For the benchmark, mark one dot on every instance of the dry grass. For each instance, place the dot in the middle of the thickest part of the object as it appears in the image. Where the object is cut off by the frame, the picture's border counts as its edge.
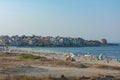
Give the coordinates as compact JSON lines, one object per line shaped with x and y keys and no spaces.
{"x":7,"y":54}
{"x":63,"y":63}
{"x":29,"y":59}
{"x":49,"y":77}
{"x":107,"y":67}
{"x":8,"y":63}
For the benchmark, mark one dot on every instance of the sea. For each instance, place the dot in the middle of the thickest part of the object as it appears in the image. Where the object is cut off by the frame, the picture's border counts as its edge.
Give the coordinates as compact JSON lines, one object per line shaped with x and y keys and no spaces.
{"x":107,"y":51}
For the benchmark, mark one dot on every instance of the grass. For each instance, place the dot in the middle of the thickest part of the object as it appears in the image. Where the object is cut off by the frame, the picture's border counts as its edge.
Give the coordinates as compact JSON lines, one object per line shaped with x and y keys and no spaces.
{"x":29,"y":57}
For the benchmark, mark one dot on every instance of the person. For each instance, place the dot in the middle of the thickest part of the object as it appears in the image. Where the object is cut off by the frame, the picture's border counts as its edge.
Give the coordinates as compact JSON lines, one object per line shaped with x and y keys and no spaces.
{"x":70,"y":58}
{"x":100,"y":57}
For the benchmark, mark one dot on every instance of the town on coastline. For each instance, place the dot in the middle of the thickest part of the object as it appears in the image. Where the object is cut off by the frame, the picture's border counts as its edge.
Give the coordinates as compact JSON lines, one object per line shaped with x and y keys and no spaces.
{"x":49,"y":41}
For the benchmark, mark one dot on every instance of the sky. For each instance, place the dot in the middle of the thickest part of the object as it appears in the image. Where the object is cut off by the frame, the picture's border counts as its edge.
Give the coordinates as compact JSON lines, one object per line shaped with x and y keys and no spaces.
{"x":88,"y":19}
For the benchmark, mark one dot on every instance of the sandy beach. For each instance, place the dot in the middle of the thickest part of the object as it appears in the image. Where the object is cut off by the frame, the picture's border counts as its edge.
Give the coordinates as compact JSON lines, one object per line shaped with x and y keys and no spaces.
{"x":55,"y":65}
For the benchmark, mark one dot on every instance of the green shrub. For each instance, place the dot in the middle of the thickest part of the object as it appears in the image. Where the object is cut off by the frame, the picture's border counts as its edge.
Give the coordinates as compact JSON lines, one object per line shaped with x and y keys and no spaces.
{"x":29,"y":57}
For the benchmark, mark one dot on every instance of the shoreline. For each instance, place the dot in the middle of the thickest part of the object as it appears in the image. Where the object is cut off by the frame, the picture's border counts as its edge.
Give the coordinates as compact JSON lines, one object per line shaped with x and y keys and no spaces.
{"x":95,"y":51}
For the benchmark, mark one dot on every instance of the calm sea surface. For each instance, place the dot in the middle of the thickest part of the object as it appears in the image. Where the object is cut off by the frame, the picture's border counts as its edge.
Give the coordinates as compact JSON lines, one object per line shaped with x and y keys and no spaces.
{"x":109,"y":51}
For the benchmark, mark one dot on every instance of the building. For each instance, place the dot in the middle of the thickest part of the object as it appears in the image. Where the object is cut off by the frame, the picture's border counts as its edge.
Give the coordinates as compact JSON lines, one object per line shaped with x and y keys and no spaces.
{"x":103,"y":41}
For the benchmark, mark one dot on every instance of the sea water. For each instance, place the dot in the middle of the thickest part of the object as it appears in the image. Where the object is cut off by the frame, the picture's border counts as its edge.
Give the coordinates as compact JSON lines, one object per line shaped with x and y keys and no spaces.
{"x":109,"y":51}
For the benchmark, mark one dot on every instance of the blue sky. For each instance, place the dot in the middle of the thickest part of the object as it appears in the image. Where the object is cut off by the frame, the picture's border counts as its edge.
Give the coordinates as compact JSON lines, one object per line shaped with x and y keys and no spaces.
{"x":89,"y":19}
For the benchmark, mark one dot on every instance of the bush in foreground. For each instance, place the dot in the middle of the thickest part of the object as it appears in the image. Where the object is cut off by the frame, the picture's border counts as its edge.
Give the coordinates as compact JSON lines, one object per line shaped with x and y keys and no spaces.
{"x":62,"y":77}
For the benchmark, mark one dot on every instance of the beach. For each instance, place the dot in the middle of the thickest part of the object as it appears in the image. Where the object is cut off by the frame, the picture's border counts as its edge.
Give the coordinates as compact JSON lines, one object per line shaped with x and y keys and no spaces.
{"x":55,"y":65}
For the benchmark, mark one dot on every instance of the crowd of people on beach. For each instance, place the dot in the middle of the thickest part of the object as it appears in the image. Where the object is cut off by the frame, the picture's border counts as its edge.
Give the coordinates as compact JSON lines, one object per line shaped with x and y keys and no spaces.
{"x":72,"y":57}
